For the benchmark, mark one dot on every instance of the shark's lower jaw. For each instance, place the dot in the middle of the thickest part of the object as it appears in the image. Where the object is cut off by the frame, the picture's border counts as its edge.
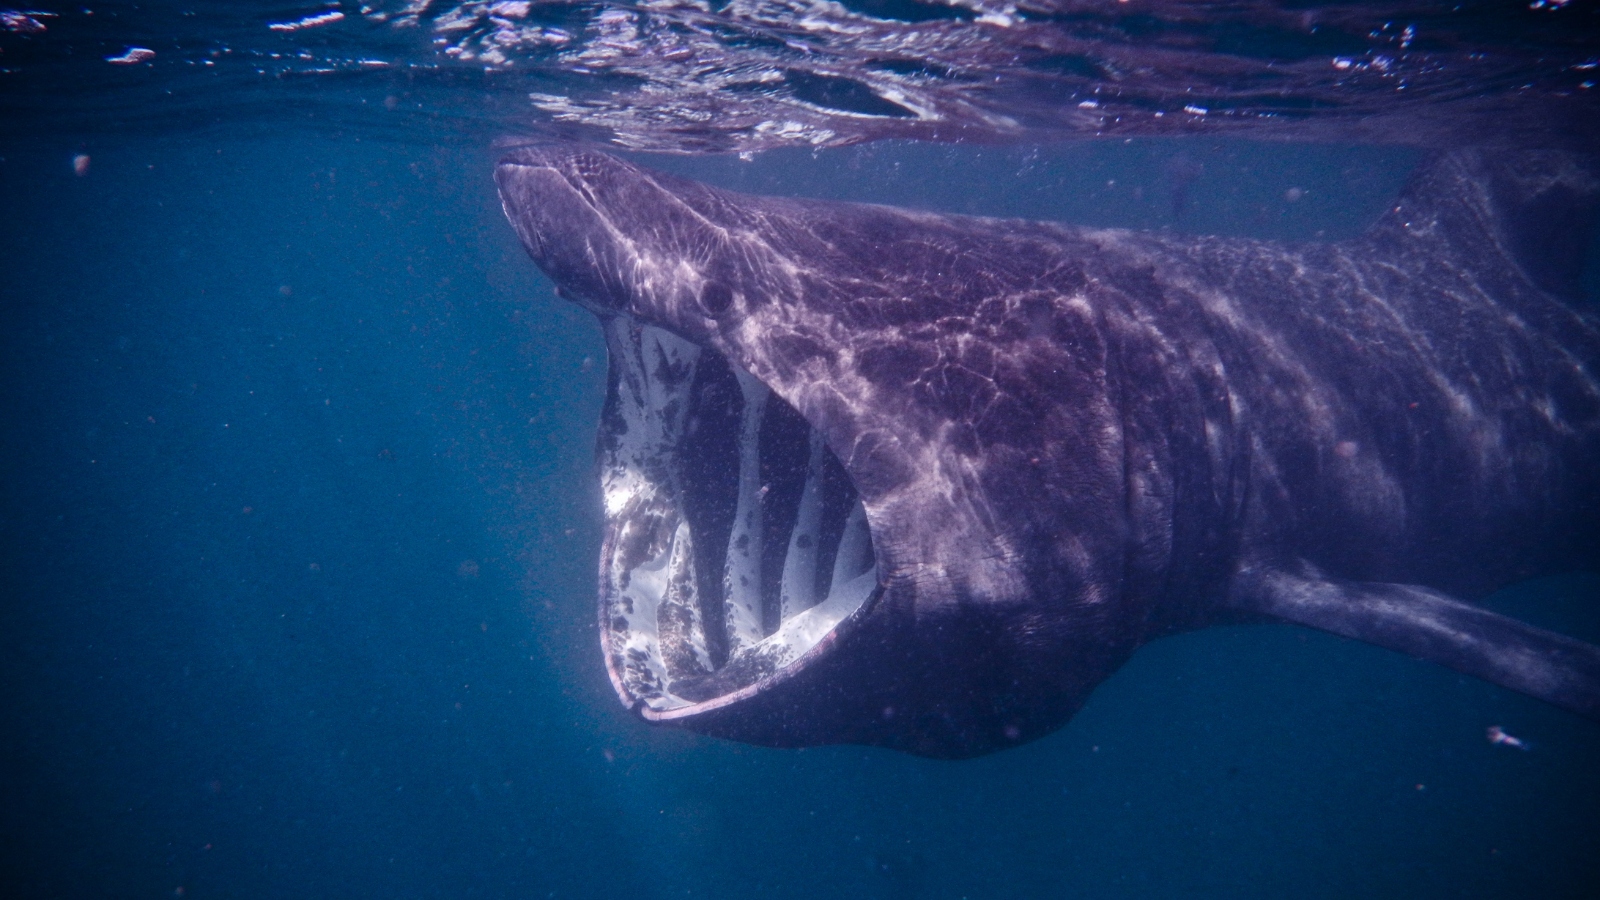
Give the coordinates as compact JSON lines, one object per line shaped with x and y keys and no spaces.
{"x":735,"y":543}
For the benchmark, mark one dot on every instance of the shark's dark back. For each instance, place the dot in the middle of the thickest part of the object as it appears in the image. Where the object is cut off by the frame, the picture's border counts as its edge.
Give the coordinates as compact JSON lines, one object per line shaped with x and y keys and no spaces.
{"x":1430,"y":410}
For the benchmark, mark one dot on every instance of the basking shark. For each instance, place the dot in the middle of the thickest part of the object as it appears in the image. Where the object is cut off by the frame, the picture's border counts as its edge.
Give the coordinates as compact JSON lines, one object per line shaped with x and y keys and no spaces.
{"x":923,"y":481}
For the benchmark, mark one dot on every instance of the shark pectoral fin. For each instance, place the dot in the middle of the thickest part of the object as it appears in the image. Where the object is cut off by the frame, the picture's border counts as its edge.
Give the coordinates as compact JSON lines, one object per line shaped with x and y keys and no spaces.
{"x":1429,"y":625}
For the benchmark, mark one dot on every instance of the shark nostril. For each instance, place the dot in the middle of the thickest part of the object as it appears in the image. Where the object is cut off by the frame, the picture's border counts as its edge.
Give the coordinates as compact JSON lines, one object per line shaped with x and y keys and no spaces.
{"x":715,"y":298}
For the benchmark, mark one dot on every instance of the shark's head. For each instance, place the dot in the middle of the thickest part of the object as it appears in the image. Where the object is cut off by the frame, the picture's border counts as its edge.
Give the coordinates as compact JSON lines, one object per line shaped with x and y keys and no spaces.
{"x":858,"y":486}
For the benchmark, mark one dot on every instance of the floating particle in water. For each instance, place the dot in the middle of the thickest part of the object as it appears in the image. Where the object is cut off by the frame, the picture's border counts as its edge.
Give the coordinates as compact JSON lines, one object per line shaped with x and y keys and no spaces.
{"x":132,"y":56}
{"x":22,"y":22}
{"x":1498,"y":736}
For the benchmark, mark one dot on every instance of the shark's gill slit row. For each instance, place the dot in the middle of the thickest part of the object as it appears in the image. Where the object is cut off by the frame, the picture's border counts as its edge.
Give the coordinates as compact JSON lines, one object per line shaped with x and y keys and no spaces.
{"x":736,"y":543}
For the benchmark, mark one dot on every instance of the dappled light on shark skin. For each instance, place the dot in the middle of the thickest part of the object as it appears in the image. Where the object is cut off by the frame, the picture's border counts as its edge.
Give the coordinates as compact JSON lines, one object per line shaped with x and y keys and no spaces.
{"x":888,"y":477}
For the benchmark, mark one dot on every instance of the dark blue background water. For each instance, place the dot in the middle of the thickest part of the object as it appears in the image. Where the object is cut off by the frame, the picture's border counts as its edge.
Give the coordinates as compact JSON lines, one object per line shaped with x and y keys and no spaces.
{"x":299,"y":533}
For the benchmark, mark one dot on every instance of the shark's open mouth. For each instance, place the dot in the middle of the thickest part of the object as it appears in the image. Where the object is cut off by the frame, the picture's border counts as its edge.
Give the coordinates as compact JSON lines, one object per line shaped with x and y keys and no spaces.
{"x":735,"y":542}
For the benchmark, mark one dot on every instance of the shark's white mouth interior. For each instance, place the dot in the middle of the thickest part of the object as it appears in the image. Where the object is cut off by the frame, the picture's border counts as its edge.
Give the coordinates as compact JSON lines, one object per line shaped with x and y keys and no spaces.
{"x":735,"y":541}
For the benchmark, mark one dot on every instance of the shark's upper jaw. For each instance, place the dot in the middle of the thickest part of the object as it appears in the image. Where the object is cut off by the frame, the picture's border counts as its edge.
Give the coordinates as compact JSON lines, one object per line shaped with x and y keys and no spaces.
{"x":735,"y":545}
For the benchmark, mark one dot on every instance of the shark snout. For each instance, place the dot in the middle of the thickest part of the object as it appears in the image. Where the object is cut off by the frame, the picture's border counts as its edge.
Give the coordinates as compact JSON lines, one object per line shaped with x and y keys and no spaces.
{"x":565,"y":228}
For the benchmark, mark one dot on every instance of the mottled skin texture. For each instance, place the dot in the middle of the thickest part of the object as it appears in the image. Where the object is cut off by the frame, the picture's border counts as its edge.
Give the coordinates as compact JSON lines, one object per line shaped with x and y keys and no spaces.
{"x":1070,"y":441}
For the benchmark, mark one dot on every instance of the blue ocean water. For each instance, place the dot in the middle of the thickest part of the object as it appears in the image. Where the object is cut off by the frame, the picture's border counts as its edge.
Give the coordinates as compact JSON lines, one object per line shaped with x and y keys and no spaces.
{"x":299,"y":529}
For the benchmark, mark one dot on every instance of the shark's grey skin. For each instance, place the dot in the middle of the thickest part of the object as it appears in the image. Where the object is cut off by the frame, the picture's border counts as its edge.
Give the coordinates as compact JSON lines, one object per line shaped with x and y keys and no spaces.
{"x":1070,"y":441}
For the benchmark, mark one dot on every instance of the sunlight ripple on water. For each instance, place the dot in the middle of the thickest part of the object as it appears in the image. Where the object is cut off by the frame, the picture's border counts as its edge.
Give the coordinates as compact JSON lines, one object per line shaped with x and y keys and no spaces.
{"x":688,"y":75}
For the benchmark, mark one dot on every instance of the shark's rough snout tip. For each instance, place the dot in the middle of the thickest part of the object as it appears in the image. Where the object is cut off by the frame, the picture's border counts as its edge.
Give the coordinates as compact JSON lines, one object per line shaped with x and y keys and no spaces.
{"x":554,"y":199}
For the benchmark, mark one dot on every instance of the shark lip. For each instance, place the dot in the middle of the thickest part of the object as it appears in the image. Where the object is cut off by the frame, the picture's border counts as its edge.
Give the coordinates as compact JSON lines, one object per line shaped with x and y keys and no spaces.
{"x":736,"y":546}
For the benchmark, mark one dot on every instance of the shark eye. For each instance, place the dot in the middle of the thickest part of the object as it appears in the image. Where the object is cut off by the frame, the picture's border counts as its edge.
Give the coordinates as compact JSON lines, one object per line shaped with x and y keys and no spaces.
{"x":715,"y":298}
